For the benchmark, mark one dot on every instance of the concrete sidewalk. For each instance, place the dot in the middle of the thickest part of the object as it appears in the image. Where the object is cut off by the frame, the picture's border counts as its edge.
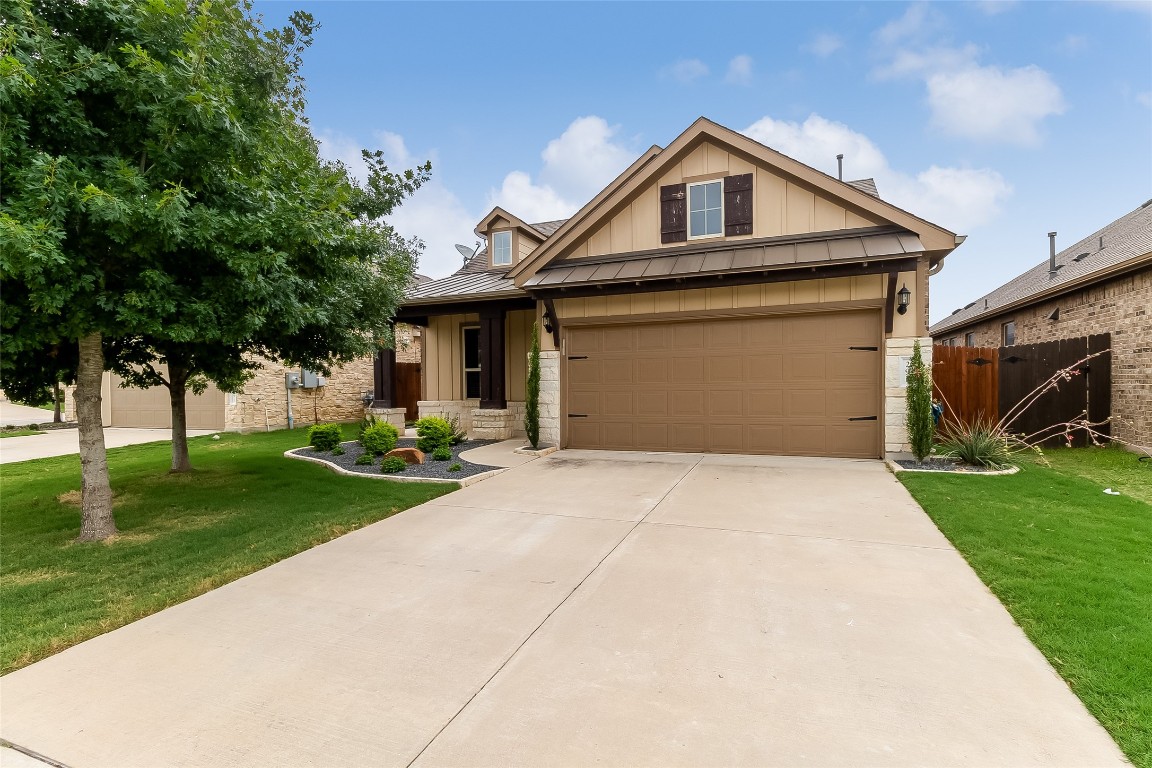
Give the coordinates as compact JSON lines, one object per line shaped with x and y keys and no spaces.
{"x":61,"y":442}
{"x":586,"y":608}
{"x":13,"y":414}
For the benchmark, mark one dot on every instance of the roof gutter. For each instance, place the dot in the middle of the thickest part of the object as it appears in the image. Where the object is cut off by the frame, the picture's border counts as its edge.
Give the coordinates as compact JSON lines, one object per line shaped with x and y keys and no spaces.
{"x":1051,"y":293}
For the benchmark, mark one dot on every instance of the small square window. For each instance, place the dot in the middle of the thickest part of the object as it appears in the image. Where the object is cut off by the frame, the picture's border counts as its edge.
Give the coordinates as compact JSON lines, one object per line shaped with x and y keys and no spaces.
{"x":705,"y":209}
{"x":970,"y":339}
{"x":501,"y":249}
{"x":1008,"y":333}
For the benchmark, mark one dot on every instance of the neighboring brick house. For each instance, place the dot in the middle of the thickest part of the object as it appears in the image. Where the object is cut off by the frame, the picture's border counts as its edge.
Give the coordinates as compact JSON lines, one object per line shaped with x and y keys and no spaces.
{"x":263,"y":403}
{"x":717,"y":296}
{"x":1102,"y":284}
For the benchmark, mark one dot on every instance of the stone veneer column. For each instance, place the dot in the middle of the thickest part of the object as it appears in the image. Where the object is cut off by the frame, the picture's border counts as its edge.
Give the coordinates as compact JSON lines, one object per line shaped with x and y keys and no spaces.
{"x":550,"y":397}
{"x":394,"y":416}
{"x":897,"y":353}
{"x":491,"y":424}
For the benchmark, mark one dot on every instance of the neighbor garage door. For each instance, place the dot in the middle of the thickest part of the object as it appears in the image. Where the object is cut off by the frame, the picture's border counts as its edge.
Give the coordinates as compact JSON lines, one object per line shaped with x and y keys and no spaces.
{"x":152,"y":407}
{"x":806,"y":385}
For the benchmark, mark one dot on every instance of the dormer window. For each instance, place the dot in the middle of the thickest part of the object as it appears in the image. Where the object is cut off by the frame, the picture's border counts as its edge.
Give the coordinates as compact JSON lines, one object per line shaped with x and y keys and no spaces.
{"x":501,"y":249}
{"x":705,"y":209}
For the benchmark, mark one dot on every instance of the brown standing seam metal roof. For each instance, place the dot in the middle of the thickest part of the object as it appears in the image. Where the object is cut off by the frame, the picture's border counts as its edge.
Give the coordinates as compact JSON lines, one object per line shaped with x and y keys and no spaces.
{"x":1127,"y":239}
{"x":729,"y":258}
{"x":475,"y":280}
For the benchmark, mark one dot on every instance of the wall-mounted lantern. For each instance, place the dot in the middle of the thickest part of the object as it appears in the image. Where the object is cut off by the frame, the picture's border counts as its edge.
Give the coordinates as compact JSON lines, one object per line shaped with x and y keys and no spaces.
{"x":902,"y":298}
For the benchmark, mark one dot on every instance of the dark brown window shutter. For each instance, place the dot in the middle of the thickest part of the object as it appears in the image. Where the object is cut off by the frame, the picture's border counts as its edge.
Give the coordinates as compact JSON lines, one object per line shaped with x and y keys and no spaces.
{"x":738,"y":205}
{"x":674,"y":213}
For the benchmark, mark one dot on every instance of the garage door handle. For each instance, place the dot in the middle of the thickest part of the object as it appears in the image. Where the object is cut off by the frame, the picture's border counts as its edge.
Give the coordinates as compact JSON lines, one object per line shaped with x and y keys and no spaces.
{"x":577,"y":415}
{"x":866,"y":349}
{"x":577,"y":357}
{"x":862,"y":418}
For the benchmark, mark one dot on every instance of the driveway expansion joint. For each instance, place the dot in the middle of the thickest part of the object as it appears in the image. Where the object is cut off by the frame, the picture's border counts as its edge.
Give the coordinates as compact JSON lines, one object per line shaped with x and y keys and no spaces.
{"x":5,"y":744}
{"x":900,"y":544}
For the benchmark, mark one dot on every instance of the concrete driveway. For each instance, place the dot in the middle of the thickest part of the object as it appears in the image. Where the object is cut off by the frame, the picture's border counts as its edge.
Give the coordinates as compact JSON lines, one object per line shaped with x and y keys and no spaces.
{"x":584,"y":609}
{"x":61,"y":442}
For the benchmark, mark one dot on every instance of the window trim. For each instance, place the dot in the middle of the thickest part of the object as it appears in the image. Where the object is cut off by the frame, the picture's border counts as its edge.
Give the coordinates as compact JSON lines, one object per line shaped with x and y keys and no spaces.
{"x":511,"y":248}
{"x":688,"y":205}
{"x":464,"y":369}
{"x":970,"y":339}
{"x":1004,"y":333}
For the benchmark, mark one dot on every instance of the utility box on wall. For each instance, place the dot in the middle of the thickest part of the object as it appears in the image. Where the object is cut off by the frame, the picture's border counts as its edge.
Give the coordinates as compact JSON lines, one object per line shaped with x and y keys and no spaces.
{"x":310,"y":379}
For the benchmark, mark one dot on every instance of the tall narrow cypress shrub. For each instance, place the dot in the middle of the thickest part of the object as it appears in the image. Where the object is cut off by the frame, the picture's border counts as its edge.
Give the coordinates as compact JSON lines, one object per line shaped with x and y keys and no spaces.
{"x":920,"y":425}
{"x":532,"y":392}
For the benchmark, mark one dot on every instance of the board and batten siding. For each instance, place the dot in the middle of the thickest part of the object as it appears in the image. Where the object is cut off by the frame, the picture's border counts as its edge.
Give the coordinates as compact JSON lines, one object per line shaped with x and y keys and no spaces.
{"x":443,"y":374}
{"x":780,"y":206}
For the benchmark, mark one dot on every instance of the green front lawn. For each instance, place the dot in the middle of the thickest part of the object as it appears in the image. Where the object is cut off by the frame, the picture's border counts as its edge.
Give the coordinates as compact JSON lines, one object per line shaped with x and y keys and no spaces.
{"x":19,"y":432}
{"x":245,"y":508}
{"x":1072,"y":565}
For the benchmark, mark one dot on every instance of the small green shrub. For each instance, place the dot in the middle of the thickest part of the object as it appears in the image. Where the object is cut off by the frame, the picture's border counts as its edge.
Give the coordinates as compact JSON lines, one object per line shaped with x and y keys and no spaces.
{"x":379,"y":438}
{"x":325,"y":437}
{"x":442,"y":453}
{"x":392,"y":465}
{"x":980,"y":443}
{"x":365,"y":459}
{"x":458,"y":435}
{"x":433,"y":432}
{"x":338,"y":450}
{"x":369,"y":420}
{"x":456,"y":467}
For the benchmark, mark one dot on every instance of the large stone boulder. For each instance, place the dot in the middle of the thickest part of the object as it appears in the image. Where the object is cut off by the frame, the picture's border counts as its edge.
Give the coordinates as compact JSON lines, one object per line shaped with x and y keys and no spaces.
{"x":410,"y":455}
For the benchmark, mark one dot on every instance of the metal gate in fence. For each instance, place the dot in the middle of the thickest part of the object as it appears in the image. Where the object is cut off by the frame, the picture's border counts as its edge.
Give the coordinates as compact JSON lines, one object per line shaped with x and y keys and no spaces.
{"x":1001,"y":383}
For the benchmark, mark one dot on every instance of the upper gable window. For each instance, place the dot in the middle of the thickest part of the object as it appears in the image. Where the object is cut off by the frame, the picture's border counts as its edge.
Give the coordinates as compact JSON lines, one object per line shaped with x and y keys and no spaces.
{"x":705,"y":209}
{"x":501,"y":249}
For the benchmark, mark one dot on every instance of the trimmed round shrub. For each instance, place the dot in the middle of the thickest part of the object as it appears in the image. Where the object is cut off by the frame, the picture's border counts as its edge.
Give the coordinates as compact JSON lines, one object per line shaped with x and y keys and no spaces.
{"x":366,"y":459}
{"x":456,"y":467}
{"x":338,"y":450}
{"x":392,"y":465}
{"x":325,"y":437}
{"x":442,"y":453}
{"x":433,"y":432}
{"x":379,"y":438}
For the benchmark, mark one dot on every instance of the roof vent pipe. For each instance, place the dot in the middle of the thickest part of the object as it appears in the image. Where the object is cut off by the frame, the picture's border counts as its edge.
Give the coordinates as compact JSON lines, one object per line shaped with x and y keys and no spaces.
{"x":1101,"y":243}
{"x":840,"y":167}
{"x":1051,"y":253}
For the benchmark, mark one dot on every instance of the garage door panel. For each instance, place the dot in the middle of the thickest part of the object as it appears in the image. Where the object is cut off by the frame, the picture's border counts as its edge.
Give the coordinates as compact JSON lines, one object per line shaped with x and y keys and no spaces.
{"x":688,"y":404}
{"x":725,"y":403}
{"x":775,"y":385}
{"x":615,"y":372}
{"x":652,"y":403}
{"x":152,"y":407}
{"x":688,"y":337}
{"x":618,"y":404}
{"x":687,"y":370}
{"x":806,"y":367}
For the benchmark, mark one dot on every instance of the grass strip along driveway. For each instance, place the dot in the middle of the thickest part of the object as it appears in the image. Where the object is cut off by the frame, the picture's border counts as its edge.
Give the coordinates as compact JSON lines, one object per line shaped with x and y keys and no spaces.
{"x":1072,"y":564}
{"x":244,"y":508}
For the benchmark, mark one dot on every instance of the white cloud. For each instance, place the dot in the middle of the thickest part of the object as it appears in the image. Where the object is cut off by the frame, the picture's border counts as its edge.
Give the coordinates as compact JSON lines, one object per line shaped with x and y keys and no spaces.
{"x":967,"y":98}
{"x":739,"y":70}
{"x":1073,"y":44}
{"x":824,"y":44}
{"x":990,"y":104}
{"x":577,"y":165}
{"x":686,"y":71}
{"x":995,"y":7}
{"x":433,"y":214}
{"x":960,"y":199}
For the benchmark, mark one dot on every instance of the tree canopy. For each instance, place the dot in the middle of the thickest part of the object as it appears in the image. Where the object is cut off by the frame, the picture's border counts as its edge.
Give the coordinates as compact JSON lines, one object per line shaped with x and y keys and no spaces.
{"x":162,"y":195}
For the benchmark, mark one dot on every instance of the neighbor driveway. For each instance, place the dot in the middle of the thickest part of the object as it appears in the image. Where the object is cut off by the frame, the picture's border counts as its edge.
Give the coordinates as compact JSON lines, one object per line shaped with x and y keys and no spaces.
{"x":61,"y":442}
{"x":584,"y":609}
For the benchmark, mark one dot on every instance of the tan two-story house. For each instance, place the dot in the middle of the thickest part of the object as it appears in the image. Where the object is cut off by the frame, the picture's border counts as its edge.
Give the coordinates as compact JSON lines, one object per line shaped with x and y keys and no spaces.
{"x":717,"y":296}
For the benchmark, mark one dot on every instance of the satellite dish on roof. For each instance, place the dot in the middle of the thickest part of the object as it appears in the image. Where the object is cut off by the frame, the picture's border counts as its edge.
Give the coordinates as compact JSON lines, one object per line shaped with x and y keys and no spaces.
{"x":467,"y":252}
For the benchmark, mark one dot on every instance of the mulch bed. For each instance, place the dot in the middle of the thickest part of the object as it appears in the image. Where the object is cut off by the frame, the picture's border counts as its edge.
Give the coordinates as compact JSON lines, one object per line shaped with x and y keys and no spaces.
{"x":944,"y":465}
{"x":435,"y":470}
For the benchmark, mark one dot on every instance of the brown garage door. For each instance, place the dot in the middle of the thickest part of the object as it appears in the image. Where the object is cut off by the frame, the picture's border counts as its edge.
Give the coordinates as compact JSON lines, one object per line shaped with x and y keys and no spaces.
{"x":152,"y":407}
{"x":806,"y":385}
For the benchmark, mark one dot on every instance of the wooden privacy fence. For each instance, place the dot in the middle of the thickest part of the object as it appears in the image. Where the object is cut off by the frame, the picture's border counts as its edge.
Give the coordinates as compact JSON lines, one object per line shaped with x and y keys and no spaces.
{"x":408,"y":388}
{"x":988,"y":382}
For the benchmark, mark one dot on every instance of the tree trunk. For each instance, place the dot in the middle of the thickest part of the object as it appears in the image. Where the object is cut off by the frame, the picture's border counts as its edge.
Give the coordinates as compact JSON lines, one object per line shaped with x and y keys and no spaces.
{"x":96,"y":520}
{"x":56,"y":398}
{"x":177,"y":389}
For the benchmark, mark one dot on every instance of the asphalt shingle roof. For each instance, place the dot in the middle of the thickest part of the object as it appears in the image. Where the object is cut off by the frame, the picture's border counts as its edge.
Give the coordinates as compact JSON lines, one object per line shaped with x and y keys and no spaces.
{"x":1129,"y":238}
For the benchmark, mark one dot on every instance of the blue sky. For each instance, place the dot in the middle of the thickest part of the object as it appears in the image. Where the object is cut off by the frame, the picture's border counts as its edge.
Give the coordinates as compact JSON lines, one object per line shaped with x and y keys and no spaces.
{"x":999,"y":120}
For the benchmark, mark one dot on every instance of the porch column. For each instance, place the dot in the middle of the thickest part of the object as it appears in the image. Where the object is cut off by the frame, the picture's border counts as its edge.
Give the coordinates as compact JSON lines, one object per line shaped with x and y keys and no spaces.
{"x":493,"y":390}
{"x":384,"y":379}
